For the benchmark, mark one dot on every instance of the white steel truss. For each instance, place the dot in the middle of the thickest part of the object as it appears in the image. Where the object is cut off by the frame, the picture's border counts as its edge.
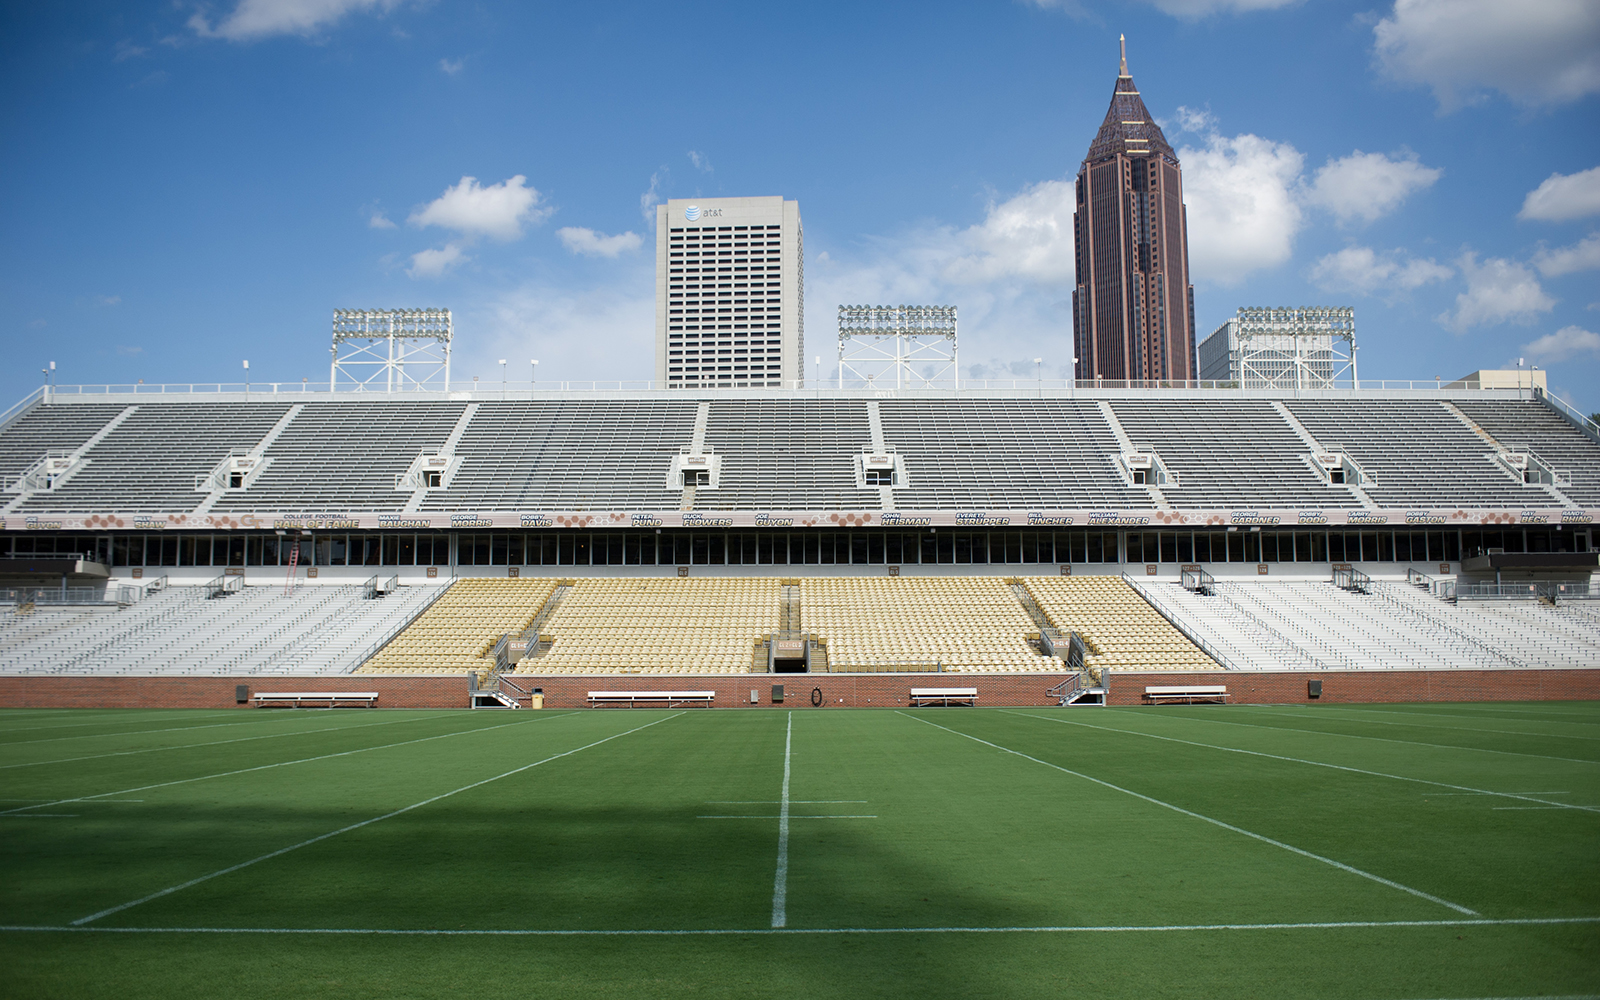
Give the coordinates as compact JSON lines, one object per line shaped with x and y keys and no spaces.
{"x":897,"y":347}
{"x":1296,"y":348}
{"x":392,"y":350}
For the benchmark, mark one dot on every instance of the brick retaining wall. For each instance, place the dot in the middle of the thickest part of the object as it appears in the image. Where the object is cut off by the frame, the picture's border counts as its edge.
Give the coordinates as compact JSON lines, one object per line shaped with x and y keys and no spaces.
{"x":837,"y":690}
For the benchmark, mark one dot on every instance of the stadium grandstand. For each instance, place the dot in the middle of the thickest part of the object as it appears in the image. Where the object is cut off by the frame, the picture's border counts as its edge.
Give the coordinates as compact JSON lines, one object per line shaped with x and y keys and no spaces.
{"x":1072,"y":530}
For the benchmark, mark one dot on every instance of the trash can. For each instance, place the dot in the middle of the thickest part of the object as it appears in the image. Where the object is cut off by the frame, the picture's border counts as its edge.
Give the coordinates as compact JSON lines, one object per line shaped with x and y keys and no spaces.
{"x":536,"y":701}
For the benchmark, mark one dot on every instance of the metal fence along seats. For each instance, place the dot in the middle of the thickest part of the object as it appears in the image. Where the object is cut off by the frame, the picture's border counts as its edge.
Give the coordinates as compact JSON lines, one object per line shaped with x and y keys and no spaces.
{"x":1120,"y":628}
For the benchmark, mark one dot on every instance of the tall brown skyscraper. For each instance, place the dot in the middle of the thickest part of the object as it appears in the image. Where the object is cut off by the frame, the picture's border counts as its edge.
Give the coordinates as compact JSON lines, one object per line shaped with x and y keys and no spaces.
{"x":1133,"y":308}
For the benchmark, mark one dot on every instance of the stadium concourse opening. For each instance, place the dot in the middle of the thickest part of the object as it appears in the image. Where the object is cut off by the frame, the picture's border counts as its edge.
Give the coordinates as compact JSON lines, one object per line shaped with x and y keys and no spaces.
{"x":687,"y":540}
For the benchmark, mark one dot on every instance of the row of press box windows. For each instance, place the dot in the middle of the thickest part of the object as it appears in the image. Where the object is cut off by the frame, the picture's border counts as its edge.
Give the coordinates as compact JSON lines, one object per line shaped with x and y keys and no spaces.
{"x":672,"y":547}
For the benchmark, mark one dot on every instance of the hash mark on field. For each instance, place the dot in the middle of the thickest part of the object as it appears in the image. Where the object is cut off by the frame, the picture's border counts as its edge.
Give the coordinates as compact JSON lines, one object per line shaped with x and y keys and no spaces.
{"x":1313,"y":763}
{"x":821,"y":931}
{"x":356,"y":826}
{"x":1215,"y":822}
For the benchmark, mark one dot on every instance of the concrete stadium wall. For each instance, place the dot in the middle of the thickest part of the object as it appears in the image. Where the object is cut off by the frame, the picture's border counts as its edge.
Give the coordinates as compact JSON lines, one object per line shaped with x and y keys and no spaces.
{"x":837,"y":690}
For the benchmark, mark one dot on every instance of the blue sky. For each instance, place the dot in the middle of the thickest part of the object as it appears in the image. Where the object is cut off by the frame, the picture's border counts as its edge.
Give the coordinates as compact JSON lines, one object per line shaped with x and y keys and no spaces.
{"x":191,"y":184}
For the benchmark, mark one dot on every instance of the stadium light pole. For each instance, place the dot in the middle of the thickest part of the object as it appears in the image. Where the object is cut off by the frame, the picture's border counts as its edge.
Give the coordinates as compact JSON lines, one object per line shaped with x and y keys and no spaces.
{"x":502,"y":378}
{"x":247,"y":380}
{"x":1038,"y":375}
{"x":818,"y":361}
{"x":533,"y":377}
{"x":1073,"y":383}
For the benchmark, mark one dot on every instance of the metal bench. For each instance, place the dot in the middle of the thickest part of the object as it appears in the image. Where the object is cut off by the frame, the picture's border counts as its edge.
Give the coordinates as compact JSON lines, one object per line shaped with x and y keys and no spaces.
{"x":651,"y":699}
{"x":1187,"y":693}
{"x":943,"y":696}
{"x":327,"y":699}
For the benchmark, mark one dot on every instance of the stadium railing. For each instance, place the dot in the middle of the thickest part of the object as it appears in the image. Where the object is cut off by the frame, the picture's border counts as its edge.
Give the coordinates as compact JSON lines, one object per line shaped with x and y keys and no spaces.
{"x":1524,"y":591}
{"x":1178,"y":623}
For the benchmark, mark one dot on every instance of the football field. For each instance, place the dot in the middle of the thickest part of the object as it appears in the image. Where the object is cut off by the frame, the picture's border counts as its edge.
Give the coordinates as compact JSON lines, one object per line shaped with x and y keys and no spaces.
{"x":1397,"y":851}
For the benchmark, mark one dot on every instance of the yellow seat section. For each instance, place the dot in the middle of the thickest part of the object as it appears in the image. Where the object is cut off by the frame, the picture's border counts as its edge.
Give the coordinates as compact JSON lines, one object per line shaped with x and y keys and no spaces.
{"x":461,"y":627}
{"x":964,"y":623}
{"x":1122,"y":630}
{"x":659,"y":625}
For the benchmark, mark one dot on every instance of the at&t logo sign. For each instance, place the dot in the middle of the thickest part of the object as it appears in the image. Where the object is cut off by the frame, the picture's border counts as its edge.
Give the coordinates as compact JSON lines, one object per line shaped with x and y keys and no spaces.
{"x":694,"y":213}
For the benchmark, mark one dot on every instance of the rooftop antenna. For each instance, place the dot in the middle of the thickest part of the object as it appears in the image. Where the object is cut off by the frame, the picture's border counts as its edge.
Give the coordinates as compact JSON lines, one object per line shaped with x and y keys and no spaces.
{"x":1122,"y":41}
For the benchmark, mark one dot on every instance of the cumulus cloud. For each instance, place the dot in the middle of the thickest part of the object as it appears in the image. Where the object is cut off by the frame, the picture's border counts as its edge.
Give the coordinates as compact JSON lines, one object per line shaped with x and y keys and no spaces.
{"x":1366,"y":272}
{"x":1367,"y":186}
{"x":450,"y":67}
{"x":1243,"y":213}
{"x":1535,"y":53}
{"x":379,"y":221}
{"x":598,"y":332}
{"x":1567,"y":342}
{"x":1071,"y":8}
{"x":434,"y":263}
{"x":254,"y":19}
{"x":592,"y":244}
{"x":499,"y":210}
{"x":1027,"y":236}
{"x":1498,"y":291}
{"x":1564,"y":196}
{"x":1581,"y":256}
{"x":701,"y":161}
{"x":652,"y":197}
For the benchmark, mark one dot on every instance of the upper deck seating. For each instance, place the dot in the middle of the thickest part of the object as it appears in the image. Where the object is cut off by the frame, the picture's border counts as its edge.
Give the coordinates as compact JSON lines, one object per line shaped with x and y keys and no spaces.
{"x":1536,"y":427}
{"x":787,"y":454}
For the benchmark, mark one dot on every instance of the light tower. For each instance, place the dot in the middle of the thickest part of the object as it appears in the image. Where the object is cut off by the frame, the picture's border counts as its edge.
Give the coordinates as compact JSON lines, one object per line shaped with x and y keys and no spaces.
{"x":911,"y":347}
{"x":392,"y":350}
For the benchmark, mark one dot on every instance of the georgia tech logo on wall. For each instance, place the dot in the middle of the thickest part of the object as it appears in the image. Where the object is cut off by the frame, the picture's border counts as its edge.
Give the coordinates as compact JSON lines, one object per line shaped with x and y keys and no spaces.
{"x":692,"y":213}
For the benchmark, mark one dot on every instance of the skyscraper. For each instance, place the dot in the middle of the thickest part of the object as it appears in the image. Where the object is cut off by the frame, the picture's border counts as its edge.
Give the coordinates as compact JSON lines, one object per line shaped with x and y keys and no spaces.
{"x":1133,"y":307}
{"x":730,"y":288}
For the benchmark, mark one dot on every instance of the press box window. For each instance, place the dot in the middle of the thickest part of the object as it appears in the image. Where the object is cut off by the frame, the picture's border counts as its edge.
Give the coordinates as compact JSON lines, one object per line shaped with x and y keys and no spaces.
{"x":880,"y":477}
{"x":696,"y":477}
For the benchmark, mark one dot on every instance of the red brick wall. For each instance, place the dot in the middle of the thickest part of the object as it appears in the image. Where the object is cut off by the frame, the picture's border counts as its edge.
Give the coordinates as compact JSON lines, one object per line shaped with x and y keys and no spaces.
{"x":218,"y":692}
{"x":838,"y":690}
{"x":1290,"y":686}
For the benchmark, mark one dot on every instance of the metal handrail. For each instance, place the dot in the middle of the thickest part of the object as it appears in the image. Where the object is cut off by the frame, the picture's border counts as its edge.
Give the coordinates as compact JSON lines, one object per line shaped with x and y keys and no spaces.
{"x":388,"y":637}
{"x":1178,"y":624}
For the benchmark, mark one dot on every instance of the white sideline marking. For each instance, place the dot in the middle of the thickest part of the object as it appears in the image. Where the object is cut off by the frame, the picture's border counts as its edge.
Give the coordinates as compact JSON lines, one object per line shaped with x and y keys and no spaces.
{"x":1521,"y":808}
{"x":780,"y":881}
{"x":353,"y":826}
{"x":743,"y":802}
{"x":137,"y":732}
{"x":1314,"y":763}
{"x":1441,"y":795}
{"x":1457,"y":729}
{"x":1385,"y":739}
{"x":213,"y":743}
{"x":1215,"y":822}
{"x":268,"y":767}
{"x":758,"y":931}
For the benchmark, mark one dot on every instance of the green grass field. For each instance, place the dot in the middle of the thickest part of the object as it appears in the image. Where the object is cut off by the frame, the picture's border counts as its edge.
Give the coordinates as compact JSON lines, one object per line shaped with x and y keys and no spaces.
{"x":1401,"y":851}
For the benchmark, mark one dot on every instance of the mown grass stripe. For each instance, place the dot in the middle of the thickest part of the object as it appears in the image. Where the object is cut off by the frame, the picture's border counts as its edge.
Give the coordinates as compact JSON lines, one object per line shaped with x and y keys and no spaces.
{"x":1214,"y":822}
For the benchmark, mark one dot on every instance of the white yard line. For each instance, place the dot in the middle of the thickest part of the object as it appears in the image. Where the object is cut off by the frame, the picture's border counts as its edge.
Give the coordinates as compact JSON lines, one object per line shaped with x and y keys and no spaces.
{"x":266,"y":767}
{"x":1257,"y":710}
{"x":783,"y":817}
{"x":1214,"y":822}
{"x":1313,"y":763}
{"x":353,"y":826}
{"x":744,"y":802}
{"x":1381,"y":739}
{"x":213,"y":743}
{"x":780,"y":881}
{"x":1320,"y":925}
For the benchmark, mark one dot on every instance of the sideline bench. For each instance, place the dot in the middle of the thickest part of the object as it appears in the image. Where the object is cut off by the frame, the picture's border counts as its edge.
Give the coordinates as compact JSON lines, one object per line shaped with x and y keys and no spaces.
{"x":328,"y":699}
{"x":944,"y":696}
{"x":651,"y":699}
{"x":1187,"y":693}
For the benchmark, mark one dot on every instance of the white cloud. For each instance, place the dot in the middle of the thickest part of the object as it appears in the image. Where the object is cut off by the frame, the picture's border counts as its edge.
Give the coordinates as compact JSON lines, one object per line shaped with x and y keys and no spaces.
{"x":253,"y":19}
{"x":1543,"y":52}
{"x":1368,"y":185}
{"x":593,"y":244}
{"x":498,"y":210}
{"x":108,"y":300}
{"x":1581,"y":256}
{"x":1364,"y":271}
{"x":1194,"y":9}
{"x":450,"y":67}
{"x":1564,"y":196}
{"x":433,"y":263}
{"x":701,"y":161}
{"x":598,"y":332}
{"x":1197,"y":120}
{"x":379,"y":221}
{"x":1071,"y":8}
{"x":1498,"y":290}
{"x":652,"y":197}
{"x":1027,"y":236}
{"x":1565,"y":343}
{"x":1243,"y":215}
